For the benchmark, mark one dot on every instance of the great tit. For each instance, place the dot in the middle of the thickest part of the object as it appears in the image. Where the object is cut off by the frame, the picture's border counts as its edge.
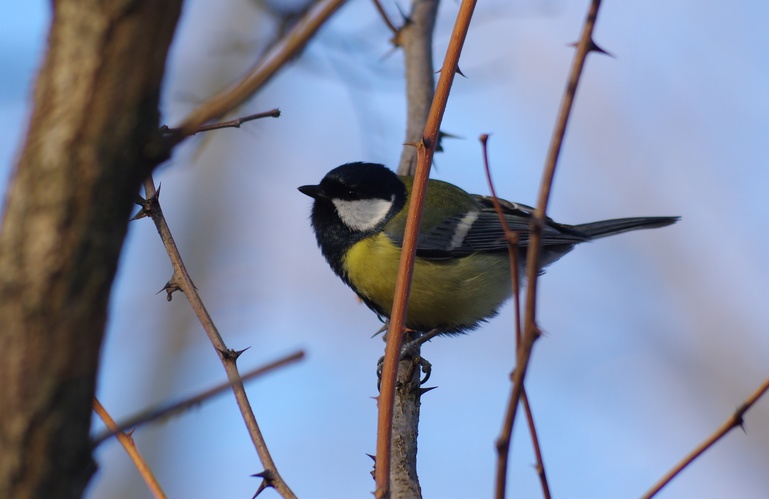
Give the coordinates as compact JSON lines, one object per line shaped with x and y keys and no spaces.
{"x":462,"y":271}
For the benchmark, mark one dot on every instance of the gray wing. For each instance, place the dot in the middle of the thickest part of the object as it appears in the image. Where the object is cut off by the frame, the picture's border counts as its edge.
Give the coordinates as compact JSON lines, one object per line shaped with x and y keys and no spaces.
{"x":482,"y":231}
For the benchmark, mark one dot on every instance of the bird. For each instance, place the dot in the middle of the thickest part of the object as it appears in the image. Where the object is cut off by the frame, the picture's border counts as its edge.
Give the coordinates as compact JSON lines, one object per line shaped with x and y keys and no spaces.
{"x":462,"y":269}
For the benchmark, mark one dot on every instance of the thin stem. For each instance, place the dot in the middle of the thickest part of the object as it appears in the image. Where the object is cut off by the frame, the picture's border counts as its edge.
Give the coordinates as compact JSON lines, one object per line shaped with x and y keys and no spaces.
{"x":166,"y":410}
{"x":425,"y":150}
{"x":535,"y":443}
{"x":182,"y":280}
{"x":531,"y":330}
{"x":512,"y":250}
{"x":385,"y":17}
{"x":130,"y":447}
{"x":415,"y":38}
{"x":273,"y":113}
{"x":734,"y":421}
{"x":279,"y":54}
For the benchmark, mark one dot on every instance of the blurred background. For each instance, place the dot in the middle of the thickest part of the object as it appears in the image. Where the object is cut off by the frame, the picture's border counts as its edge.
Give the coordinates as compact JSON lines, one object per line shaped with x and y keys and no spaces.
{"x":651,"y":338}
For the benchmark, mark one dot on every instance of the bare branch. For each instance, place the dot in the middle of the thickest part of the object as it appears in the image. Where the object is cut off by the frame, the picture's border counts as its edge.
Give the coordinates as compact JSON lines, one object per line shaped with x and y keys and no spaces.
{"x":130,"y":447}
{"x":425,"y":149}
{"x":734,"y":421}
{"x":166,"y":410}
{"x":226,"y":355}
{"x":416,"y":39}
{"x":531,"y":330}
{"x":512,"y":250}
{"x":283,"y":51}
{"x":274,"y":113}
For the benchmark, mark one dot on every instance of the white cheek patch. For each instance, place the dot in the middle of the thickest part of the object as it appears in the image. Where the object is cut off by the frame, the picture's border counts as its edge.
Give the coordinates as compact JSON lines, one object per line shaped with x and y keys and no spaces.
{"x":463,"y":227}
{"x":363,"y":214}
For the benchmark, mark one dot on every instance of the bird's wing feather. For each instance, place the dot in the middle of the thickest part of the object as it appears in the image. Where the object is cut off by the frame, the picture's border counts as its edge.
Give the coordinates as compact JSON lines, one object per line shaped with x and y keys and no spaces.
{"x":481,"y":231}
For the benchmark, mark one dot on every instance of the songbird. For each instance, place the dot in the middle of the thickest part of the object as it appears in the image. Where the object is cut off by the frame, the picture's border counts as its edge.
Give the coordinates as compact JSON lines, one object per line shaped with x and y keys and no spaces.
{"x":462,"y":270}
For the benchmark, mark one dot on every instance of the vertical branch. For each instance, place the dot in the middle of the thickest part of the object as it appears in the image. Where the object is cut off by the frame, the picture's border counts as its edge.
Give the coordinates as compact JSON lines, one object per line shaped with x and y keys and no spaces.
{"x":512,"y":251}
{"x":425,"y":150}
{"x":531,"y":331}
{"x":416,"y":39}
{"x":66,"y":214}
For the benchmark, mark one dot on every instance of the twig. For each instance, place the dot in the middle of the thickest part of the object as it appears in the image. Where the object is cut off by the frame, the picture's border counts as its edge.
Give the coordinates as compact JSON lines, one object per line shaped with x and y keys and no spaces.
{"x":415,"y":37}
{"x":734,"y":421}
{"x":182,"y":281}
{"x":274,"y":113}
{"x":512,"y":250}
{"x":425,"y":149}
{"x":280,"y":53}
{"x":162,"y":411}
{"x":540,"y":467}
{"x":130,"y":447}
{"x":531,"y":331}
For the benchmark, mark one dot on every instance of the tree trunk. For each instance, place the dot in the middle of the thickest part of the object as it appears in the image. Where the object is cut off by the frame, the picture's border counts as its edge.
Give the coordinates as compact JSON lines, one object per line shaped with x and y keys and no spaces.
{"x":92,"y":139}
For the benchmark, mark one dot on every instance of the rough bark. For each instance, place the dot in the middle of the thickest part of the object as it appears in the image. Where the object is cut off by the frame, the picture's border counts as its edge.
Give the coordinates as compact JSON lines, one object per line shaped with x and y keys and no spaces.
{"x":92,"y":139}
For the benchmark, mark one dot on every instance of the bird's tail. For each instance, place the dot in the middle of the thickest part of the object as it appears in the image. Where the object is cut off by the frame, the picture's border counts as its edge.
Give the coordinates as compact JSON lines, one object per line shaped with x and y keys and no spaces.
{"x":595,"y":230}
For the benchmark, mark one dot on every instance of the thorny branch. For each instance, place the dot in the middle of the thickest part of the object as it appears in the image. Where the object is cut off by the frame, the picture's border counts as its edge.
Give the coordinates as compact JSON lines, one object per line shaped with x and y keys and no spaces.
{"x":181,"y":280}
{"x":531,"y":330}
{"x":512,"y":250}
{"x":734,"y":421}
{"x":130,"y":447}
{"x":425,"y":150}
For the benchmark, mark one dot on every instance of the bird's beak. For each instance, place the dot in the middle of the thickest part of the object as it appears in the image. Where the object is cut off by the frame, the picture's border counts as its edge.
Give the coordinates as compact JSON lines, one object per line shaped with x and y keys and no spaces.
{"x":314,"y":191}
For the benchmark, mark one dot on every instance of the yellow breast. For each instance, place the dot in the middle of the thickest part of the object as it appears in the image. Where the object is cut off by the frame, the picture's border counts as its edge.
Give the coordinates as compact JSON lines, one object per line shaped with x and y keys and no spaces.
{"x":450,"y":294}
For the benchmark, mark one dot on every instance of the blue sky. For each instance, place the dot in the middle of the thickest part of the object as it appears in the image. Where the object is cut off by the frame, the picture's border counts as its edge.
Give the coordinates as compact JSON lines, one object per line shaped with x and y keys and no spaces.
{"x":651,"y":338}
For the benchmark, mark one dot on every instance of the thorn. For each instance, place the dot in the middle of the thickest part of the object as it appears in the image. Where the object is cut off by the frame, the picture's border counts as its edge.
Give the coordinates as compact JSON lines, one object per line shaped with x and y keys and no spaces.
{"x":456,"y":71}
{"x":267,"y":479}
{"x":381,"y":330}
{"x":373,"y":467}
{"x":537,"y":332}
{"x":406,"y":19}
{"x":238,"y":353}
{"x":262,"y":486}
{"x":130,"y":433}
{"x":390,"y":52}
{"x":412,"y":144}
{"x":170,"y":287}
{"x":139,"y":214}
{"x":422,"y":391}
{"x":230,"y":354}
{"x":441,"y":136}
{"x":150,"y":206}
{"x":594,"y":47}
